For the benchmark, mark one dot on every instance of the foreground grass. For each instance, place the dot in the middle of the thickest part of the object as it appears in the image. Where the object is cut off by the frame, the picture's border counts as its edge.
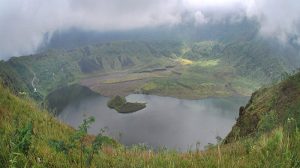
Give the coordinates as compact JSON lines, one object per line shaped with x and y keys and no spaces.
{"x":278,"y":148}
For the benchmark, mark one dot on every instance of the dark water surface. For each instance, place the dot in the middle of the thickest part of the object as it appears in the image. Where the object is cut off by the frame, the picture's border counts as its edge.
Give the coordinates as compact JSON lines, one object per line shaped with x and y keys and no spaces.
{"x":165,"y":122}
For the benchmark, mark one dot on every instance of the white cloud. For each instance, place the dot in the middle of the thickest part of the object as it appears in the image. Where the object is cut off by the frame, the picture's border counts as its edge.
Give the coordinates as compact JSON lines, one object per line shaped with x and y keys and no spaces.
{"x":200,"y":18}
{"x":25,"y":22}
{"x":278,"y":19}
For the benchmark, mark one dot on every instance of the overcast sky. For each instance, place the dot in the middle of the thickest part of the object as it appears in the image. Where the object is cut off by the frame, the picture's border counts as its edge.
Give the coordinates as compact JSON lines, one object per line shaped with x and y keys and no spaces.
{"x":23,"y":23}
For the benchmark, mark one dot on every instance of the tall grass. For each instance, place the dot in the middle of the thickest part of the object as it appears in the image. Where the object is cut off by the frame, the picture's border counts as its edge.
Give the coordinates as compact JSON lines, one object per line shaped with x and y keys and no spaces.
{"x":278,"y":148}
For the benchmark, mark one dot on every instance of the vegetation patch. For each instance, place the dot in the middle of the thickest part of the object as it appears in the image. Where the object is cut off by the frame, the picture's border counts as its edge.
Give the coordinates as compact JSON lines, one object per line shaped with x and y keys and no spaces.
{"x":183,"y":61}
{"x":204,"y":78}
{"x":269,"y":108}
{"x":208,"y":63}
{"x":120,"y":104}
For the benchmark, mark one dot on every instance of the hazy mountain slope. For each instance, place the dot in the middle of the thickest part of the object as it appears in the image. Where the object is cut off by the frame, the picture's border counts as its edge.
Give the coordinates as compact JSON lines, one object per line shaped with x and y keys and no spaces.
{"x":227,"y":68}
{"x":257,"y":60}
{"x":238,"y":67}
{"x":56,"y":68}
{"x":245,"y":59}
{"x":16,"y":75}
{"x":225,"y":31}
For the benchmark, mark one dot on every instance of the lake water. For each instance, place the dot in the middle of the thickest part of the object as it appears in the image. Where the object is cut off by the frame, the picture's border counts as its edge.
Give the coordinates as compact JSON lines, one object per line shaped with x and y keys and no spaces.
{"x":165,"y":122}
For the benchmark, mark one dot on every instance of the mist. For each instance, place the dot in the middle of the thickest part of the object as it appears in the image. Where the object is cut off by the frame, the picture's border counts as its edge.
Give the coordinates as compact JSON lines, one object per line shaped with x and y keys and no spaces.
{"x":26,"y":24}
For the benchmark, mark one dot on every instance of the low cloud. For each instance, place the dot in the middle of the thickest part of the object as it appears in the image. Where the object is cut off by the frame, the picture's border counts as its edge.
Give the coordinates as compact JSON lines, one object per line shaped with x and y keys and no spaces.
{"x":280,"y":19}
{"x":24,"y":23}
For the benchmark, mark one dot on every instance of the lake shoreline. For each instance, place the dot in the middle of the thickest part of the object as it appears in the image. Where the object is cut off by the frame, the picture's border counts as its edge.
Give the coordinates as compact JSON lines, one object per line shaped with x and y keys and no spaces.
{"x":166,"y":121}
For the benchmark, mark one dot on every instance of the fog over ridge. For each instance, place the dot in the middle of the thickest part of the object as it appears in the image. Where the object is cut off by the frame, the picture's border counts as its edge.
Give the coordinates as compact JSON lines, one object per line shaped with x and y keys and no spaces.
{"x":24,"y":23}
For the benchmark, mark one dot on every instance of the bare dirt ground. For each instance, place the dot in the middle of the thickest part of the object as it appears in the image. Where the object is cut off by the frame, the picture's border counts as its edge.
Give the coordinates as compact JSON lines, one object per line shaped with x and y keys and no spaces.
{"x":121,"y":83}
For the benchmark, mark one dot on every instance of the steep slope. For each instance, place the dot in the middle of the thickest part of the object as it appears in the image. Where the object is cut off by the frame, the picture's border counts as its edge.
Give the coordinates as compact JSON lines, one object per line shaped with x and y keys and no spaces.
{"x":269,"y":108}
{"x":27,"y":134}
{"x":15,"y":114}
{"x":49,"y":70}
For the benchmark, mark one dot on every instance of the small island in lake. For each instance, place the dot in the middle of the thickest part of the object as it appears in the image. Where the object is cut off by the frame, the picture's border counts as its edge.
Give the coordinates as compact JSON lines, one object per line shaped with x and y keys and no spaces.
{"x":120,"y":104}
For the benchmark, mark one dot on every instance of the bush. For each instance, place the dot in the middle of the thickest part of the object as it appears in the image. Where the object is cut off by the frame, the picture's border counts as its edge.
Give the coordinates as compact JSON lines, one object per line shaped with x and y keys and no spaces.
{"x":77,"y":142}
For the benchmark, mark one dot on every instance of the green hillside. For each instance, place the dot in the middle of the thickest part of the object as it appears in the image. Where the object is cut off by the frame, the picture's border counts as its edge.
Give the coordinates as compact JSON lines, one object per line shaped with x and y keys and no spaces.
{"x":201,"y":69}
{"x":268,"y":108}
{"x":30,"y":137}
{"x":56,"y":68}
{"x":220,"y":69}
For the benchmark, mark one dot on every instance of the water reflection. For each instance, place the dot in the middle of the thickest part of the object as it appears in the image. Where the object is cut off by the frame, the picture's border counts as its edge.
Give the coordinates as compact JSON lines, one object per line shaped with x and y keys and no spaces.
{"x":170,"y":122}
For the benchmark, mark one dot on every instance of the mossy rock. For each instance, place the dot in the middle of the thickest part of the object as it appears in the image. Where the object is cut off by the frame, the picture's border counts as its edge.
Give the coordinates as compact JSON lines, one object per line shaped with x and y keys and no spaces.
{"x":120,"y":104}
{"x":116,"y":102}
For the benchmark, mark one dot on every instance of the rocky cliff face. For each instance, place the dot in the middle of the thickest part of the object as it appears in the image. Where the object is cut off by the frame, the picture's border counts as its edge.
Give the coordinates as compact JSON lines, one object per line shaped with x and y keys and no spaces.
{"x":269,"y":108}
